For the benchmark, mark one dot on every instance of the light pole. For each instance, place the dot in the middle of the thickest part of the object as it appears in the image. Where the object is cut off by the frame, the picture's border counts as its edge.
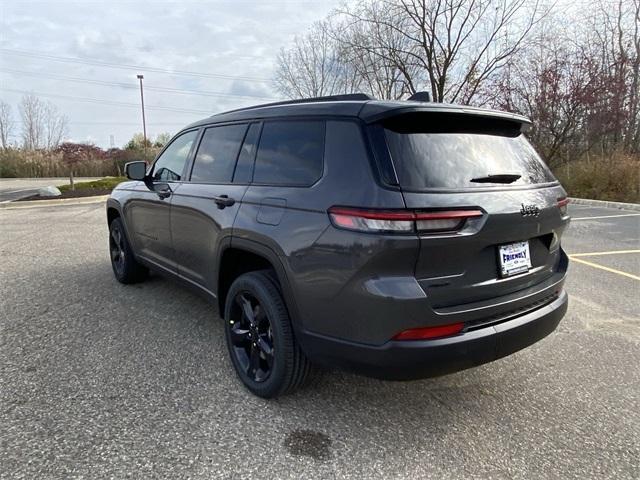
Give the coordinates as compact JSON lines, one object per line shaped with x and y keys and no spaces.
{"x":144,"y":123}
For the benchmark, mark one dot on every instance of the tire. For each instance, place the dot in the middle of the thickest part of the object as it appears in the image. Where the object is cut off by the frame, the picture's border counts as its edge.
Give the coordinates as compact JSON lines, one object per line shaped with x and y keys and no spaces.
{"x":254,"y":308}
{"x":125,"y":267}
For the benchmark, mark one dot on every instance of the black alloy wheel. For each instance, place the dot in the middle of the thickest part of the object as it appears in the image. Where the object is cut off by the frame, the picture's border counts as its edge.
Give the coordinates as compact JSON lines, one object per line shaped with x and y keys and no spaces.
{"x":260,"y":336}
{"x":125,"y":266}
{"x":251,"y":336}
{"x":116,"y":248}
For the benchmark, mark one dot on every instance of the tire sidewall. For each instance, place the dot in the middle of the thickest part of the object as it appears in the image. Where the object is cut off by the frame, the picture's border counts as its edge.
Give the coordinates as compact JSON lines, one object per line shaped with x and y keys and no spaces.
{"x":262,"y":288}
{"x":130,"y":273}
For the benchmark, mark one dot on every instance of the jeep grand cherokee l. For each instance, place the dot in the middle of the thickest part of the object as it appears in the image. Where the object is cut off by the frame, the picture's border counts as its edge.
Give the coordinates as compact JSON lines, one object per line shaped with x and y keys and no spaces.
{"x":399,"y":240}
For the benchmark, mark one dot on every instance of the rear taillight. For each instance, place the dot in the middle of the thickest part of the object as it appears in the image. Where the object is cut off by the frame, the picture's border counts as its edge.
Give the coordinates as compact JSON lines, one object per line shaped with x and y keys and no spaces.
{"x":428,"y":333}
{"x":562,"y":205}
{"x":400,"y":221}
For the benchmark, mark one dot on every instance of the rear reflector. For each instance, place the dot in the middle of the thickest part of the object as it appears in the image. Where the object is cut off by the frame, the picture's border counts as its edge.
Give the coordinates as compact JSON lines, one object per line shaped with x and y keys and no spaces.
{"x":426,"y":333}
{"x":562,"y":205}
{"x":400,"y":220}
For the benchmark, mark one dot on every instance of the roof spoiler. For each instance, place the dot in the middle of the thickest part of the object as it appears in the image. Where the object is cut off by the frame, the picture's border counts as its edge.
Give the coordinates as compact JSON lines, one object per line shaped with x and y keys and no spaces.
{"x":420,"y":97}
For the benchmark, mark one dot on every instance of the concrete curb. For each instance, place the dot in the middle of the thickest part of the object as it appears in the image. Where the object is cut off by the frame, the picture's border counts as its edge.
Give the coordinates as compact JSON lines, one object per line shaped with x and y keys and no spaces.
{"x":53,"y":203}
{"x":605,"y":203}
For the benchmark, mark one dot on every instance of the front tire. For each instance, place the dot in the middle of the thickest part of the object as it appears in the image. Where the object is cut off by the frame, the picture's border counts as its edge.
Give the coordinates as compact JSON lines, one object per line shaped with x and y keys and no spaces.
{"x":125,"y":267}
{"x":262,"y":346}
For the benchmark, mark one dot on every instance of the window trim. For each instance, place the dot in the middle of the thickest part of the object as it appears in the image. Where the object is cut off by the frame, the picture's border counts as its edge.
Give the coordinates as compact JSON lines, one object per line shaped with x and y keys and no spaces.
{"x":320,"y":119}
{"x":187,"y":162}
{"x":259,"y":123}
{"x":204,"y":129}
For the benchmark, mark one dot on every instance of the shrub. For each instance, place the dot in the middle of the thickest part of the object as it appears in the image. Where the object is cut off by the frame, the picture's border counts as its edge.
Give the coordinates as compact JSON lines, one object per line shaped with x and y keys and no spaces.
{"x":615,"y":177}
{"x":15,"y":162}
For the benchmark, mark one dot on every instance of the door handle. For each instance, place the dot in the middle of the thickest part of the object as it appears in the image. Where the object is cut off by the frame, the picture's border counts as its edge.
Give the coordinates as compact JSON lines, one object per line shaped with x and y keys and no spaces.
{"x":224,"y":201}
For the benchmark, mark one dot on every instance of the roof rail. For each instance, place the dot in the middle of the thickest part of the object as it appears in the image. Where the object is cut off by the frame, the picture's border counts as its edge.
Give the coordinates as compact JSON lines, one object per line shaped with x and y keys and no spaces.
{"x":329,"y":98}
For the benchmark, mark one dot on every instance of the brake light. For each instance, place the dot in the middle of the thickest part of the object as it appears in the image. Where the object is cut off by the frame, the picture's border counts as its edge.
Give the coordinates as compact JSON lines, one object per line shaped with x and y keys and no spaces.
{"x":428,"y":333}
{"x":562,"y":205}
{"x":403,"y":221}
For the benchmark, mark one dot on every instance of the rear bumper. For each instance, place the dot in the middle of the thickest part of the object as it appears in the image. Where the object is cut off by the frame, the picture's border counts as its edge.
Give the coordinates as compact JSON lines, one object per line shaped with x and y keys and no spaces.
{"x":406,"y":360}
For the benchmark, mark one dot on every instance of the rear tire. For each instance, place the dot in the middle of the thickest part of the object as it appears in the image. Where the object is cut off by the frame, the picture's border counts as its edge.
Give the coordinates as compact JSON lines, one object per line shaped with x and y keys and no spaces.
{"x":262,"y":346}
{"x":125,"y":267}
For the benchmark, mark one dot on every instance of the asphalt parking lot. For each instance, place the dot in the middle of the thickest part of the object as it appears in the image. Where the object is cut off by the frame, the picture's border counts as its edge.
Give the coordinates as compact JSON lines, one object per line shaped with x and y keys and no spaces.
{"x":103,"y":380}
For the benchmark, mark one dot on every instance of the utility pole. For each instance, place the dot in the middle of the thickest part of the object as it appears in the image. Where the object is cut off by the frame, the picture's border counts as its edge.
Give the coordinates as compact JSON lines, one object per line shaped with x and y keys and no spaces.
{"x":144,"y":123}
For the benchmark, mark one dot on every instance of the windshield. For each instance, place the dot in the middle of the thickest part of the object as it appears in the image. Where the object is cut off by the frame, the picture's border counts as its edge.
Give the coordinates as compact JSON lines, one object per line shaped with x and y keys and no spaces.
{"x":463,"y":157}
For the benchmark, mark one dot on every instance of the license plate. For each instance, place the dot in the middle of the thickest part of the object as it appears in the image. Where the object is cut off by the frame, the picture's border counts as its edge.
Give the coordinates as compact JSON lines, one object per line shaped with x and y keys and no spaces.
{"x":514,"y":258}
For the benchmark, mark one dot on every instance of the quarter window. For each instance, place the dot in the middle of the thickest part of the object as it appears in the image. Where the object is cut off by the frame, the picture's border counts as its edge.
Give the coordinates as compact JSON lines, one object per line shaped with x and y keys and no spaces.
{"x":169,"y":166}
{"x":217,"y":154}
{"x":290,"y":153}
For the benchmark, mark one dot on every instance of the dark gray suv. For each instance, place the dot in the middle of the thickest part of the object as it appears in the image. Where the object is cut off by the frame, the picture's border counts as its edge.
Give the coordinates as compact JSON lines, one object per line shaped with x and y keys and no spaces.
{"x":399,"y":240}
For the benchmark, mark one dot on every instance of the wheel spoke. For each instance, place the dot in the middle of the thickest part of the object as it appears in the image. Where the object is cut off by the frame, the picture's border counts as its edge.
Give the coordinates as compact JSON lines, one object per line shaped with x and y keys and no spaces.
{"x":247,"y":310}
{"x":254,"y":362}
{"x":259,"y":314}
{"x":115,"y":233}
{"x":115,"y":254}
{"x":239,"y":336}
{"x":269,"y":360}
{"x":264,"y":347}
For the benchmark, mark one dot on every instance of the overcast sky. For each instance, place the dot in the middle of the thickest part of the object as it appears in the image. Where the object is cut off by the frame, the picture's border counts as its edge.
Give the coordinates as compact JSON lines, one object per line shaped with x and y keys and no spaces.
{"x":57,"y":50}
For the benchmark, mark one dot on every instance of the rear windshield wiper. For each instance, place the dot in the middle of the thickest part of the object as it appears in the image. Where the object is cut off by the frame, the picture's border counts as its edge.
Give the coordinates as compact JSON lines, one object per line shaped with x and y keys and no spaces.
{"x":498,"y":178}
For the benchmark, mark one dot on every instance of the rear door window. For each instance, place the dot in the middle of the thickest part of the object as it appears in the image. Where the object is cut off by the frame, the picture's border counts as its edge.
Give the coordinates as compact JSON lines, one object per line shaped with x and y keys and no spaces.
{"x":217,"y":153}
{"x":430,"y":153}
{"x":290,"y":153}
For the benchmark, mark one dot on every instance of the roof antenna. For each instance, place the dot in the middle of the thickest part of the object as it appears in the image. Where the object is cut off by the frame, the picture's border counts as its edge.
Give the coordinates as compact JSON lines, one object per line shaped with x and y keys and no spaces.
{"x":420,"y":97}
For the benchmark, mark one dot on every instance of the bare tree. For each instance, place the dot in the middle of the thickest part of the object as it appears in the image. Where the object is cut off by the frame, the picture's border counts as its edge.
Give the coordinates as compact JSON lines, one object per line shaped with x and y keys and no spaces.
{"x":616,"y":39}
{"x":578,"y":83}
{"x":451,"y":47}
{"x":55,"y":127}
{"x":376,"y":50}
{"x":32,"y":115}
{"x":43,"y":126}
{"x":312,"y":67}
{"x":6,"y":124}
{"x":633,"y":133}
{"x":555,"y":87}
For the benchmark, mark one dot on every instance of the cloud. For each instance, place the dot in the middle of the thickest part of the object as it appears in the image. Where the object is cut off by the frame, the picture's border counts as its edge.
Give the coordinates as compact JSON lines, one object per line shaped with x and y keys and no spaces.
{"x":251,"y":89}
{"x":238,"y":39}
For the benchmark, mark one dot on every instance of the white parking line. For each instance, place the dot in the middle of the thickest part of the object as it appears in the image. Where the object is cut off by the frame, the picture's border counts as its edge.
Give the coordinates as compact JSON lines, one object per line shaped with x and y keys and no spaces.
{"x":605,"y":216}
{"x":602,"y":267}
{"x":611,"y":252}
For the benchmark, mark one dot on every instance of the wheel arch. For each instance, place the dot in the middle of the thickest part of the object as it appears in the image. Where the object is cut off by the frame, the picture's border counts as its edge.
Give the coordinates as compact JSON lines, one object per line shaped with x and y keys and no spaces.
{"x":113,"y":211}
{"x":242,"y":256}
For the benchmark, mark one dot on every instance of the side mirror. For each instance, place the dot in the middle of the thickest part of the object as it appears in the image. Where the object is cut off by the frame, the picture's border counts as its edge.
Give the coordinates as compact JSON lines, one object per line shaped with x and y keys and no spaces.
{"x":135,"y":170}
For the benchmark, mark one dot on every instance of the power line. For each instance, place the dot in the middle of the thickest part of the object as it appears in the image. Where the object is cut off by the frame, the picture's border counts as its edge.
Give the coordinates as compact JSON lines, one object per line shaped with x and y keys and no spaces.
{"x":87,"y":61}
{"x":123,"y":124}
{"x":106,"y":102}
{"x":131,"y":86}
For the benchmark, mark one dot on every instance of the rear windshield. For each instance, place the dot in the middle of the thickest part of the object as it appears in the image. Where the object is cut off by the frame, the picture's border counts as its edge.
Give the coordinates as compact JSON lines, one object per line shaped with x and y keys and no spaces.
{"x":448,"y":151}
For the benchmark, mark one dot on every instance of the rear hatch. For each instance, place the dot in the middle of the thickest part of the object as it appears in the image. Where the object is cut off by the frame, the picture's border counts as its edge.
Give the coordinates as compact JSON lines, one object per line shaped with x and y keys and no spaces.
{"x":449,"y":162}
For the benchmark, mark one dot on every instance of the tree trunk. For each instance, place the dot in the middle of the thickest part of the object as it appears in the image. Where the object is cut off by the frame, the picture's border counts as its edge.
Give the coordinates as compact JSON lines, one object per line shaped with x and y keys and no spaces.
{"x":73,"y":187}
